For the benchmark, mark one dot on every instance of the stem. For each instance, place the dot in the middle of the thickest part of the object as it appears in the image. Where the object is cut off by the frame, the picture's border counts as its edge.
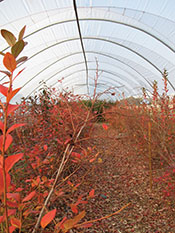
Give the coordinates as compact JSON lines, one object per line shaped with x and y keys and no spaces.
{"x":150,"y":158}
{"x":53,"y":186}
{"x":64,"y":160}
{"x":99,"y":219}
{"x":3,"y":157}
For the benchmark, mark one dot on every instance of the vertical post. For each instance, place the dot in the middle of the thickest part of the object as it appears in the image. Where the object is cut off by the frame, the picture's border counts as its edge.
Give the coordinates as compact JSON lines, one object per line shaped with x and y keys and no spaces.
{"x":150,"y":156}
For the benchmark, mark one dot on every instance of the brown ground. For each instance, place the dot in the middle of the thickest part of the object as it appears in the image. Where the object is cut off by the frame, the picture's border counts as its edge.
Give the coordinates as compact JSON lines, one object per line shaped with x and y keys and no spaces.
{"x":121,"y":178}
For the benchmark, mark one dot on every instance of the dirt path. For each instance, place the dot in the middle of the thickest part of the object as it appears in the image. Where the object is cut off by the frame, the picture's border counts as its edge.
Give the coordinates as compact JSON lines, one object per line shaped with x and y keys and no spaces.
{"x":122,"y":177}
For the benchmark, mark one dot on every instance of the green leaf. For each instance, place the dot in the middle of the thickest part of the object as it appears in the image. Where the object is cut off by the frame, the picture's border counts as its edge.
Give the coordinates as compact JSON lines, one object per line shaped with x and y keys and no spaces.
{"x":21,"y":34}
{"x":17,"y":48}
{"x":9,"y":37}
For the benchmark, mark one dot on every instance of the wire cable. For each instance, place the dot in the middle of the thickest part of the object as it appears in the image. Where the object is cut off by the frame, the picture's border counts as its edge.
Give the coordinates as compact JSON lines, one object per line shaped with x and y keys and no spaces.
{"x":81,"y":41}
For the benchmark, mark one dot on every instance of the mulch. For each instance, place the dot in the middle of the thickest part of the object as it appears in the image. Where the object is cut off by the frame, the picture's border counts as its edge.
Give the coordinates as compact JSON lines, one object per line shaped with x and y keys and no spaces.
{"x":121,"y":176}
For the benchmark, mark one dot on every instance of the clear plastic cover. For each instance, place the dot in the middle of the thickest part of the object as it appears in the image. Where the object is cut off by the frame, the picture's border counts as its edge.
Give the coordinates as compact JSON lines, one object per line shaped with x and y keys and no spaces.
{"x":131,"y":41}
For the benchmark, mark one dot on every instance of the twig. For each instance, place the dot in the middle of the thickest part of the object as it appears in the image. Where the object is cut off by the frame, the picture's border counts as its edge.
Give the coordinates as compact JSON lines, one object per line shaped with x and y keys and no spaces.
{"x":53,"y":186}
{"x":105,"y":217}
{"x":60,"y":169}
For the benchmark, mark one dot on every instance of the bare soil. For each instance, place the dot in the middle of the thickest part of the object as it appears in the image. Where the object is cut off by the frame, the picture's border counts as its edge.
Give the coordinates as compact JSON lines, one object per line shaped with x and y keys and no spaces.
{"x":121,"y":176}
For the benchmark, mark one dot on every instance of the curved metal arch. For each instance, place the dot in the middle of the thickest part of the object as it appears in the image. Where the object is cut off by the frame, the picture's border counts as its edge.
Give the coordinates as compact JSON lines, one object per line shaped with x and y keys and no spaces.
{"x":127,"y":79}
{"x":109,"y":85}
{"x":129,"y":25}
{"x":106,"y":94}
{"x":108,"y":78}
{"x":103,"y":54}
{"x":62,"y":71}
{"x":94,"y":38}
{"x":135,"y":79}
{"x":100,"y":19}
{"x":120,"y":94}
{"x":103,"y":91}
{"x":115,"y":58}
{"x":88,"y":61}
{"x":83,"y":70}
{"x":105,"y":71}
{"x":57,"y":72}
{"x":124,"y":46}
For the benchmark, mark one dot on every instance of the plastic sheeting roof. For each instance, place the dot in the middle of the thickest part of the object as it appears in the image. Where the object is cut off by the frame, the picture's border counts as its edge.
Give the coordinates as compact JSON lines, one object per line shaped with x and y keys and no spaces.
{"x":132,"y":41}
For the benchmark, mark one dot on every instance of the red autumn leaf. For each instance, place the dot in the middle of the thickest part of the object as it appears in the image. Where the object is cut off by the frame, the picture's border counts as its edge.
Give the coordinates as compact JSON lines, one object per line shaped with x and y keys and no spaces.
{"x":10,"y":212}
{"x":45,"y":147}
{"x":3,"y":90}
{"x":26,"y":213}
{"x":59,"y":141}
{"x":74,"y":161}
{"x":1,"y":126}
{"x":76,"y":155}
{"x":60,"y":224}
{"x":18,"y":74}
{"x":105,"y":127}
{"x":12,"y":94}
{"x":47,"y":218}
{"x":70,"y":183}
{"x":68,"y":224}
{"x":67,"y":141}
{"x":11,"y":229}
{"x":74,"y":208}
{"x":9,"y":62}
{"x":14,"y":196}
{"x":8,"y":180}
{"x":12,"y":204}
{"x":11,"y":160}
{"x":92,"y":160}
{"x":91,"y":193}
{"x":11,"y":108}
{"x":86,"y":225}
{"x":29,"y":196}
{"x":59,"y":193}
{"x":15,"y":222}
{"x":76,"y":186}
{"x":19,"y":189}
{"x":8,"y":141}
{"x":1,"y":219}
{"x":1,"y":161}
{"x":5,"y":72}
{"x":14,"y":127}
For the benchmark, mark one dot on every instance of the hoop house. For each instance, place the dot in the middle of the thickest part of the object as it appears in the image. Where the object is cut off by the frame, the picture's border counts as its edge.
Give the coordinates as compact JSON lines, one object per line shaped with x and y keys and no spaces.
{"x":131,"y":41}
